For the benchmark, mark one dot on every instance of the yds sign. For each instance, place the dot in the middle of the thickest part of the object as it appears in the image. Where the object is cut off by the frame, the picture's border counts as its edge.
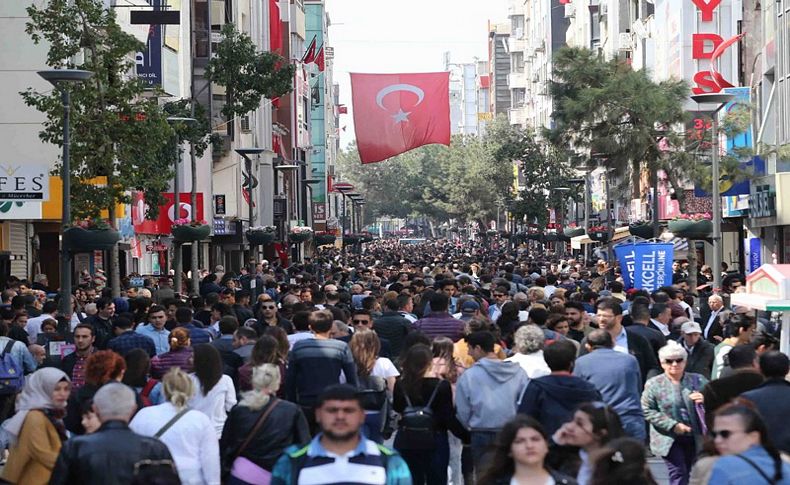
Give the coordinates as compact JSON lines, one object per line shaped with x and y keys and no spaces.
{"x":709,"y":45}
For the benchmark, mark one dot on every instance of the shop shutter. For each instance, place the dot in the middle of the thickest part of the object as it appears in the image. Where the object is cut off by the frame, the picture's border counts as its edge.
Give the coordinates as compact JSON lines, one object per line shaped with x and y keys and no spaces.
{"x":18,"y":242}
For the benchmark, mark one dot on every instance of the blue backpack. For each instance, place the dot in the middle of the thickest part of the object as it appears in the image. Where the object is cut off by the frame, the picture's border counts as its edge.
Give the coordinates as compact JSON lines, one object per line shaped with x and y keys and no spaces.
{"x":12,"y":377}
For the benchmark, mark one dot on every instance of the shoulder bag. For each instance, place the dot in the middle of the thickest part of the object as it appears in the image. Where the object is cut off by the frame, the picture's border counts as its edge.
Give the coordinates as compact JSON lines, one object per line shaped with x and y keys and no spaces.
{"x":243,"y":468}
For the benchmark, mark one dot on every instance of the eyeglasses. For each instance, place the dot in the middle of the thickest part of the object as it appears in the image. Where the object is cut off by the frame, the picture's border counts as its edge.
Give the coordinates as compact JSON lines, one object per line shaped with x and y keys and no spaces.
{"x":357,"y":322}
{"x":725,"y":433}
{"x":673,"y":361}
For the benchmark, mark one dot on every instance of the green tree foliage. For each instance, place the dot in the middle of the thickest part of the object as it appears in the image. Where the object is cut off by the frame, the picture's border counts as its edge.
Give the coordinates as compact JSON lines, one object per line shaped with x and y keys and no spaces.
{"x":116,"y":132}
{"x":246,"y":74}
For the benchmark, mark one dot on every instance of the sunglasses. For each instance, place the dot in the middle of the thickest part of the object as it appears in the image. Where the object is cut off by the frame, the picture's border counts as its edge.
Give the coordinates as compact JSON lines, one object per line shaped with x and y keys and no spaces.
{"x":498,"y":296}
{"x":355,"y":322}
{"x":268,"y":307}
{"x":725,"y":433}
{"x":673,"y":361}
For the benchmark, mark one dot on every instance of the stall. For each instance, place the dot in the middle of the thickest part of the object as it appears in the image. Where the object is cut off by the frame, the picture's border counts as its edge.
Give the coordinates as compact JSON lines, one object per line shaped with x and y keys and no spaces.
{"x":768,"y":289}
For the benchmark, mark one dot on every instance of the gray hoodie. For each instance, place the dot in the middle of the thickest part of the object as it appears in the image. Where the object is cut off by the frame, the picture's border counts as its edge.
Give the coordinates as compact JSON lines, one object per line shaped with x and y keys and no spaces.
{"x":487,"y":393}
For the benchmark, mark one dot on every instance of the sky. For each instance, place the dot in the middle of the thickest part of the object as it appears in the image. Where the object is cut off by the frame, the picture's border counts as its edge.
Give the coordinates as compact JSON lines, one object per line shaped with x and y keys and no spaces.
{"x":386,"y":36}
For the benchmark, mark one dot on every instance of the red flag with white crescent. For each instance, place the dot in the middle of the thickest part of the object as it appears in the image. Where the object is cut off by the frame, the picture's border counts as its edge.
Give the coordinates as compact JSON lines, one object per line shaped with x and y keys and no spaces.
{"x":395,"y":113}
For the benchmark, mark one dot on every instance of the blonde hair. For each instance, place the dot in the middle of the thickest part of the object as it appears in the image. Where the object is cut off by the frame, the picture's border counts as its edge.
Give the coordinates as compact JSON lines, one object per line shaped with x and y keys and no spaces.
{"x":178,"y":387}
{"x":365,"y":346}
{"x":265,"y":382}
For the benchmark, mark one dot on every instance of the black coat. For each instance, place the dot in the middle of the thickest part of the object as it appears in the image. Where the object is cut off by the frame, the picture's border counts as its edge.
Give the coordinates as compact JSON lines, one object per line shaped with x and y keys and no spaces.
{"x":106,"y":457}
{"x":394,"y":327}
{"x":553,"y":399}
{"x":285,"y":426}
{"x":652,"y":334}
{"x":772,"y":399}
{"x":701,"y":359}
{"x":719,"y":391}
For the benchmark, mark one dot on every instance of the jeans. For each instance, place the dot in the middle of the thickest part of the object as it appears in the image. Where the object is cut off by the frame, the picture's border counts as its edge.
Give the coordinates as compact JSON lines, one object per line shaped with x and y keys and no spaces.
{"x":481,"y":444}
{"x":429,"y":467}
{"x":680,"y":459}
{"x":372,"y":427}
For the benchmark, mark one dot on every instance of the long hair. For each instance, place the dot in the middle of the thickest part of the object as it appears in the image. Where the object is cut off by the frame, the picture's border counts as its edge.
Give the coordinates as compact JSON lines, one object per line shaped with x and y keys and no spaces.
{"x":412,"y":339}
{"x":753,"y":422}
{"x":264,"y":351}
{"x":138,"y":363}
{"x":417,"y":361}
{"x":622,"y":462}
{"x":179,"y":339}
{"x":177,"y":387}
{"x":501,"y":464}
{"x":605,"y":420}
{"x":443,"y":349}
{"x":103,"y":366}
{"x":265,"y":382}
{"x":282,"y":341}
{"x":365,"y":346}
{"x":208,"y":366}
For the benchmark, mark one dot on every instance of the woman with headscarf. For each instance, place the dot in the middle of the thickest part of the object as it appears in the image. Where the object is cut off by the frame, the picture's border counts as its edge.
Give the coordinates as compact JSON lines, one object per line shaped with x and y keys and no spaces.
{"x":37,"y":430}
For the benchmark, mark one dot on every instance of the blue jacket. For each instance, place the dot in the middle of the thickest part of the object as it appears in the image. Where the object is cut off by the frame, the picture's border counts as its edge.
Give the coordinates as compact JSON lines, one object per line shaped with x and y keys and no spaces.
{"x":772,"y":399}
{"x":553,"y":399}
{"x":617,"y":377}
{"x":733,"y":470}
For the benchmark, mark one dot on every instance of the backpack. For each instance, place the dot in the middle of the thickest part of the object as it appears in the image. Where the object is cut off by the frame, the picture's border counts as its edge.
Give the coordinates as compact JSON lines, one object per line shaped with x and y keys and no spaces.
{"x":12,"y":377}
{"x":145,"y":393}
{"x":372,"y":392}
{"x":416,"y":428}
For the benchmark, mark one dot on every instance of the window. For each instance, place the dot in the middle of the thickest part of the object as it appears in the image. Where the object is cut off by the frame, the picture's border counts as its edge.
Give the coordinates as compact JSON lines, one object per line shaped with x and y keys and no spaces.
{"x":519,"y":97}
{"x":517,"y":61}
{"x":517,"y":26}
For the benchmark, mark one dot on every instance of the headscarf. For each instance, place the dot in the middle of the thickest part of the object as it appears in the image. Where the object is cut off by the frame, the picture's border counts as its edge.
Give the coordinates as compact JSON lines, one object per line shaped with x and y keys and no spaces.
{"x":37,"y":394}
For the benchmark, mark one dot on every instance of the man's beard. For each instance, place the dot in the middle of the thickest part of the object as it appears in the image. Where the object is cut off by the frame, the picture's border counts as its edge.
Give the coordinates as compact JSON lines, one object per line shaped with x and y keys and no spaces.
{"x":340,"y":437}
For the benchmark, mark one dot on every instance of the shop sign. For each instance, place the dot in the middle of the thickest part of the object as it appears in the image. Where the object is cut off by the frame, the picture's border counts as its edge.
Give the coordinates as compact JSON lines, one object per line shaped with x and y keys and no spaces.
{"x":762,"y":202}
{"x":24,"y":181}
{"x":167,"y":212}
{"x":703,"y":45}
{"x":219,"y":205}
{"x":223,"y":227}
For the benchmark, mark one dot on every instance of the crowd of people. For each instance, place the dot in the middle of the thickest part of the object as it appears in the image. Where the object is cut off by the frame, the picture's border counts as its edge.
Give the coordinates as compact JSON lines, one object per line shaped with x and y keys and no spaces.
{"x":434,"y":363}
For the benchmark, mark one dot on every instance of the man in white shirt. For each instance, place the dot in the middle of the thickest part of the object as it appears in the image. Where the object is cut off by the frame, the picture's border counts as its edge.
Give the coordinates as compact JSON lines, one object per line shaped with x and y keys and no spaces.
{"x":661,"y":316}
{"x":33,"y":327}
{"x":712,"y":326}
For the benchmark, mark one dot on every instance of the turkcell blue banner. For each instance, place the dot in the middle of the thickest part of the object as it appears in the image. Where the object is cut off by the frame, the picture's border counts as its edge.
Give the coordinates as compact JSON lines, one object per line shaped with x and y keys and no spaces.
{"x":652,"y":265}
{"x":755,"y":254}
{"x":625,"y":255}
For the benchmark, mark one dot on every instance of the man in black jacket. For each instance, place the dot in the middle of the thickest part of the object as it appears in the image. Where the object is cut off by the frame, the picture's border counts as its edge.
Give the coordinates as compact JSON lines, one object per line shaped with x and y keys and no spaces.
{"x":392,"y":326}
{"x":746,"y":376}
{"x":772,"y":398}
{"x":700,"y":351}
{"x":553,"y":399}
{"x":610,"y":318}
{"x":102,"y":322}
{"x":113,"y":454}
{"x":640,"y":316}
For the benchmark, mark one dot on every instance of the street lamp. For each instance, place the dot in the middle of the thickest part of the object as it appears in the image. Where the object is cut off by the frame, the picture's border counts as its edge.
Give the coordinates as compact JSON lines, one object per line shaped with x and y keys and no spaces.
{"x":720,"y":100}
{"x":308,"y":185}
{"x":61,"y":79}
{"x":246,"y":153}
{"x":177,"y":263}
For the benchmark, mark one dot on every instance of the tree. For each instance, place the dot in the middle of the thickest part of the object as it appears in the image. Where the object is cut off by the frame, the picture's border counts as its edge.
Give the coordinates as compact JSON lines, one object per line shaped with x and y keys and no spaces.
{"x":246,"y":74}
{"x":118,"y":133}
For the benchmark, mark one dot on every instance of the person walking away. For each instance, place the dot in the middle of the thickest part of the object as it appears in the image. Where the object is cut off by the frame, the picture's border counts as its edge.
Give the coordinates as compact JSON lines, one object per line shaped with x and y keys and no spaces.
{"x":553,"y":399}
{"x":519,"y":456}
{"x":114,"y":454}
{"x":179,"y":355}
{"x":745,"y":377}
{"x":748,"y":456}
{"x":37,"y":431}
{"x":617,"y":377}
{"x":622,"y":462}
{"x":424,"y":445}
{"x":137,"y":376}
{"x":259,"y":429}
{"x":188,"y":433}
{"x":672,"y":403}
{"x":214,"y":393}
{"x":487,"y":393}
{"x":529,"y":341}
{"x":101,"y":367}
{"x":340,"y":453}
{"x":772,"y":398}
{"x":376,"y":379}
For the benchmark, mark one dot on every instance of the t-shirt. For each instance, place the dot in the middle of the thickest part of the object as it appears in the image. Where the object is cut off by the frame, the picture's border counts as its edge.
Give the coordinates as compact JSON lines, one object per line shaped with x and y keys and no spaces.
{"x":550,"y":481}
{"x":384,"y":368}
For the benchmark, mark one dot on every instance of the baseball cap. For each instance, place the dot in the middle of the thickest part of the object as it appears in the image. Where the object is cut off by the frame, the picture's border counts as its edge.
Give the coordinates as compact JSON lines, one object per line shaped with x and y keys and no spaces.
{"x":470,"y":307}
{"x":691,"y":327}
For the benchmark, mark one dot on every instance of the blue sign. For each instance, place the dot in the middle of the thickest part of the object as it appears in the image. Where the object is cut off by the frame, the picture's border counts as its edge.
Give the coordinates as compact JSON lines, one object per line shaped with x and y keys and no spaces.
{"x":149,"y":61}
{"x":755,"y":254}
{"x":646,"y":266}
{"x":625,"y":255}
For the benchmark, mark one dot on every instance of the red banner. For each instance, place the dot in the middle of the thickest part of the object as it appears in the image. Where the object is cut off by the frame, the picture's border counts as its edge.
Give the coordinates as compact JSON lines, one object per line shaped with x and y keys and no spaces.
{"x":395,"y":113}
{"x":162,"y":225}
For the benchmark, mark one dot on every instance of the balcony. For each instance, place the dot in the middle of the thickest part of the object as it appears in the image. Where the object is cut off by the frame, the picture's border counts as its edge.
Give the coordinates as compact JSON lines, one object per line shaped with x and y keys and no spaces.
{"x":517,"y":80}
{"x":517,"y":116}
{"x":515,"y":44}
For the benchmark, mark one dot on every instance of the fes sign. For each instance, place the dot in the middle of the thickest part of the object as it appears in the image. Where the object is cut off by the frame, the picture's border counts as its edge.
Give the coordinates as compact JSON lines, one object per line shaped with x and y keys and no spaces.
{"x":24,"y":181}
{"x":705,"y":45}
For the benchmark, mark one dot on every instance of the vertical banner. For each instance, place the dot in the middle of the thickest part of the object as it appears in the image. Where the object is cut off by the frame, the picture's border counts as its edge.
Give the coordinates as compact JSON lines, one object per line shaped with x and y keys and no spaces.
{"x":653,"y":265}
{"x":754,"y":254}
{"x":625,"y":255}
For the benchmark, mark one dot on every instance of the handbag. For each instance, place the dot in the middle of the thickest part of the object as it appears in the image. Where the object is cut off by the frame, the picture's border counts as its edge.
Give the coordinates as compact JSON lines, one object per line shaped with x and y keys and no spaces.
{"x":245,"y":469}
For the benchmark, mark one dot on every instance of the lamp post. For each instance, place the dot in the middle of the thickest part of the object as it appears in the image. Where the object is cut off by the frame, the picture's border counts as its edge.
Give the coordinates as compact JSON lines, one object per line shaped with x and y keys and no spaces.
{"x":246,"y":153}
{"x":290,"y":165}
{"x":61,"y":79}
{"x":720,"y":100}
{"x":308,"y":185}
{"x":177,"y":262}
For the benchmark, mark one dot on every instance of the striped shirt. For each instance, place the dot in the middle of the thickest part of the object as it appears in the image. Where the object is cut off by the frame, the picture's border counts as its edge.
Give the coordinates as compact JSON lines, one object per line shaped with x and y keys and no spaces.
{"x":314,"y":364}
{"x":175,"y":358}
{"x":367,"y":464}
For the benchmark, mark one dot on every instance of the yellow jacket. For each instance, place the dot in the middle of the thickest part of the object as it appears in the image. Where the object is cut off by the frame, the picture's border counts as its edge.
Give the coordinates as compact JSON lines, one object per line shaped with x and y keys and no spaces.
{"x":33,"y":458}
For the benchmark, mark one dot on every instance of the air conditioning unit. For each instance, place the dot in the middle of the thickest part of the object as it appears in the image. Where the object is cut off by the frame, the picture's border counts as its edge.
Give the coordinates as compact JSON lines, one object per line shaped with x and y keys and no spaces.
{"x":245,"y":124}
{"x":624,"y":41}
{"x":603,"y":9}
{"x":518,"y":33}
{"x":569,"y":12}
{"x":541,"y":47}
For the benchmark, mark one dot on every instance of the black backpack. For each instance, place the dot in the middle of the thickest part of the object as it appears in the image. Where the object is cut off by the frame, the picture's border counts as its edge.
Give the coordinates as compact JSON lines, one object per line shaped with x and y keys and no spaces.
{"x":416,"y":429}
{"x":372,"y":392}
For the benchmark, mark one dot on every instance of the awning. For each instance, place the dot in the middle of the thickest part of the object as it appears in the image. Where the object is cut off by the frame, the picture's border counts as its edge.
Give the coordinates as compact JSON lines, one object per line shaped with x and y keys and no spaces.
{"x":619,"y":233}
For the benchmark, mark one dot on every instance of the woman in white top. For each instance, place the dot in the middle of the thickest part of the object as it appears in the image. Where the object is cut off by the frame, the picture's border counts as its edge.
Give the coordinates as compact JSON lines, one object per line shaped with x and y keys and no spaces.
{"x":214,"y":395}
{"x":191,"y":438}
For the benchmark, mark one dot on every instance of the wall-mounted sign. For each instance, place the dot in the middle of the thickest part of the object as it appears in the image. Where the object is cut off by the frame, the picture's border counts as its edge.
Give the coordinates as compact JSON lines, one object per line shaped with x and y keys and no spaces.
{"x":219,"y":205}
{"x":762,"y":201}
{"x":24,"y":181}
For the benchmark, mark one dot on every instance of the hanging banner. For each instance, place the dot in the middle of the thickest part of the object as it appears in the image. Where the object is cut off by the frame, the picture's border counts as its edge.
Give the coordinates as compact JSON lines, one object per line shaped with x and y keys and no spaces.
{"x":652,"y":265}
{"x":625,"y":255}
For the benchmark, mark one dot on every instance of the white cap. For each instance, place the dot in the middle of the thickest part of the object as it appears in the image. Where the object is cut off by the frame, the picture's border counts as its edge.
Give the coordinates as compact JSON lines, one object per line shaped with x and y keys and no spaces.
{"x":691,"y":327}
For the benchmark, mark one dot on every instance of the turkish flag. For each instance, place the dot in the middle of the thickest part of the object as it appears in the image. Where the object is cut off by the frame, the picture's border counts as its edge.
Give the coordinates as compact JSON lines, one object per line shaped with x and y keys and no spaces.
{"x":395,"y":113}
